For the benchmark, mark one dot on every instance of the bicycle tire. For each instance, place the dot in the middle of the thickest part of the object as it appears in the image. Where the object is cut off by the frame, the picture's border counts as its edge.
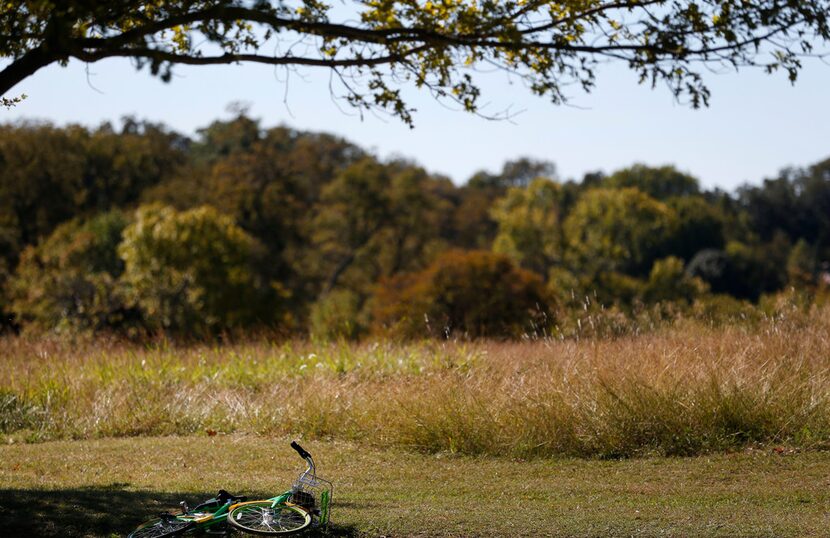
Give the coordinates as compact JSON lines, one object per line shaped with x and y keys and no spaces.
{"x":267,"y":519}
{"x":161,"y":528}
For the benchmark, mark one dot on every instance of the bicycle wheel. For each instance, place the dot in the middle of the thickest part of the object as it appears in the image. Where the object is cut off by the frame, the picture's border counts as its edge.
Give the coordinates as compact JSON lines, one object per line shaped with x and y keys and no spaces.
{"x":161,"y":527}
{"x":262,"y":517}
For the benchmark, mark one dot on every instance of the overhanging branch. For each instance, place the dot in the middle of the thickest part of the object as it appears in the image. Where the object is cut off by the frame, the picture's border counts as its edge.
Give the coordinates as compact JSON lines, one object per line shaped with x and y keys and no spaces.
{"x":165,"y":56}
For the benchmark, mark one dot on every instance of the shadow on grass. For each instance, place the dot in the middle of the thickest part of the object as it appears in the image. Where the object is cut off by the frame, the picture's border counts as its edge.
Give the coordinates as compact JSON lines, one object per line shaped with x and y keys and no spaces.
{"x":98,"y":511}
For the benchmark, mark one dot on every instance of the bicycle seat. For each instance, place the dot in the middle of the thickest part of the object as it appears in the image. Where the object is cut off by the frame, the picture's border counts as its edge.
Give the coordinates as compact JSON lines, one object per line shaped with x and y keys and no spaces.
{"x":222,"y":498}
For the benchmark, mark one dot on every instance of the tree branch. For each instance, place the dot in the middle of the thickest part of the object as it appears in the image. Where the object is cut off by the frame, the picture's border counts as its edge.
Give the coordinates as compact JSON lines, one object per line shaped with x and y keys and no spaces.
{"x":165,"y":56}
{"x":24,"y":67}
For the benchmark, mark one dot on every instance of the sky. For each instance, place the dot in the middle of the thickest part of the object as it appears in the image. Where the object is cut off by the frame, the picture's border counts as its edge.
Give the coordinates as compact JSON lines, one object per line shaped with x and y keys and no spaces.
{"x":756,"y":124}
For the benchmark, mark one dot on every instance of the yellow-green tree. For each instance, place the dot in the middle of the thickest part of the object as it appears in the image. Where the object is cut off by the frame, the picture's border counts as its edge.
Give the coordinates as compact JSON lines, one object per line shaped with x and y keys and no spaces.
{"x":193,"y":270}
{"x":530,"y":225}
{"x":70,"y":280}
{"x":669,"y":281}
{"x":617,"y":230}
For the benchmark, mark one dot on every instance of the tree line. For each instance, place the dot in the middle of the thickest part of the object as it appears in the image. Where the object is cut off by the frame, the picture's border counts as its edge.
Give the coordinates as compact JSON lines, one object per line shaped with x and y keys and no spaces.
{"x":138,"y":229}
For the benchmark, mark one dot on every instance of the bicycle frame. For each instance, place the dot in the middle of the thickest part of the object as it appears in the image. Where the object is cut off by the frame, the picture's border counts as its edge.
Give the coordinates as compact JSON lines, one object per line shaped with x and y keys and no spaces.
{"x":205,"y":516}
{"x":204,"y":519}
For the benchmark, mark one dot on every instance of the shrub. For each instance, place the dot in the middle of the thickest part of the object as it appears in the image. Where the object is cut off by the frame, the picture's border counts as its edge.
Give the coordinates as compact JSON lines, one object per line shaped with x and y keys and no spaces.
{"x":337,"y":315}
{"x":474,"y":294}
{"x":70,"y":280}
{"x":193,"y":270}
{"x":724,"y":309}
{"x":668,"y":281}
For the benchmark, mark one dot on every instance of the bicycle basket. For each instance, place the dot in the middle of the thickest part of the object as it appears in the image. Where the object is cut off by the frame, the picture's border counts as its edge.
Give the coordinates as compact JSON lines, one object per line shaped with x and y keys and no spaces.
{"x":314,"y":494}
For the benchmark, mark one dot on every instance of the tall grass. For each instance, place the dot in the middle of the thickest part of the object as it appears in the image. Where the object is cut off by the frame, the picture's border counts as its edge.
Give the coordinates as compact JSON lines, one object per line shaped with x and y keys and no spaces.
{"x":682,"y":390}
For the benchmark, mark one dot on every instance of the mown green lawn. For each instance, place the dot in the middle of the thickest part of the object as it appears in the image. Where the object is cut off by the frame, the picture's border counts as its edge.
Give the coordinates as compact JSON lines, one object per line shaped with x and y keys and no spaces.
{"x":105,"y":487}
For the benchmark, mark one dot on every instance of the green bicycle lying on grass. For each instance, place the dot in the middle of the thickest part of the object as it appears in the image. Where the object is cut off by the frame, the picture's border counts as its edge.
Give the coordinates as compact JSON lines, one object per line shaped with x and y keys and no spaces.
{"x":307,"y":502}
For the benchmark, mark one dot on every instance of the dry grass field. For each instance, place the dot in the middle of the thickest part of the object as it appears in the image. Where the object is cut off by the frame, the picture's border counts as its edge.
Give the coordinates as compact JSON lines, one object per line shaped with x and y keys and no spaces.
{"x":683,"y":390}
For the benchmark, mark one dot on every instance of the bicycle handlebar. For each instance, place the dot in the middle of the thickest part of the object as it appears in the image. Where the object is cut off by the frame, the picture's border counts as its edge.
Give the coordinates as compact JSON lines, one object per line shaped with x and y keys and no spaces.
{"x":300,"y":450}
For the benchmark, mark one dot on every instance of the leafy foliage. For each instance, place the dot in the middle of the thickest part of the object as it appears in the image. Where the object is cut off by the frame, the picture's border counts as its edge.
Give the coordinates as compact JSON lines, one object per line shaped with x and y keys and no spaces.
{"x":472,"y":293}
{"x":796,"y":203}
{"x":49,"y":175}
{"x":379,"y":220}
{"x":669,"y":282}
{"x":530,"y":225}
{"x":700,"y":225}
{"x":247,"y":227}
{"x":191,"y":270}
{"x":617,"y":230}
{"x":660,"y":183}
{"x":70,"y":280}
{"x":376,"y":47}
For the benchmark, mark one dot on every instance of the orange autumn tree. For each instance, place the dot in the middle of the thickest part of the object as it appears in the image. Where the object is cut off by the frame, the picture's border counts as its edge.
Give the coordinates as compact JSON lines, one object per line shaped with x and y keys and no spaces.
{"x":464,"y":293}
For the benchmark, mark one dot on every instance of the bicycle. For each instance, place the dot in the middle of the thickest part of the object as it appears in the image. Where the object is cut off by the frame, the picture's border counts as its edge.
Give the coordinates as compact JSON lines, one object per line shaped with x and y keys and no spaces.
{"x":307,"y":502}
{"x":204,"y":516}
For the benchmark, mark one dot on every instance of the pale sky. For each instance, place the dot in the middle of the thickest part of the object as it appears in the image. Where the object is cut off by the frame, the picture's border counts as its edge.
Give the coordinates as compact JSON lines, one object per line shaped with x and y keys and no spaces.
{"x":756,"y":123}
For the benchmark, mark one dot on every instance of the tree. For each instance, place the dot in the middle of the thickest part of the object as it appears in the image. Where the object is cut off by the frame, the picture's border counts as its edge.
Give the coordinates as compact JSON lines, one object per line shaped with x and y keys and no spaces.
{"x":801,"y":266}
{"x":223,"y":138}
{"x":70,"y":280}
{"x":49,"y":175}
{"x":773,"y":207}
{"x":660,"y":183}
{"x":700,"y":225}
{"x":474,"y":224}
{"x":617,"y":230}
{"x":797,"y":203}
{"x":193,"y":270}
{"x":354,"y":209}
{"x":468,"y":293}
{"x":375,"y":220}
{"x":530,"y":225}
{"x":268,"y":180}
{"x":516,"y":173}
{"x":41,"y":175}
{"x":374,"y":47}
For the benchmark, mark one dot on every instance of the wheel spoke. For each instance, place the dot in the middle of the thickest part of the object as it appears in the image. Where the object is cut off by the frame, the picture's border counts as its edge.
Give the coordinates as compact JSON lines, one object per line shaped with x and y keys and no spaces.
{"x":268,"y":519}
{"x":159,"y":528}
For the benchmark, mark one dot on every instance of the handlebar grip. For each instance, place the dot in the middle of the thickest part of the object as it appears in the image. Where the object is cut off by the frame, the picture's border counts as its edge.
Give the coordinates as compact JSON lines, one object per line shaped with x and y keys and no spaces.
{"x":300,"y":450}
